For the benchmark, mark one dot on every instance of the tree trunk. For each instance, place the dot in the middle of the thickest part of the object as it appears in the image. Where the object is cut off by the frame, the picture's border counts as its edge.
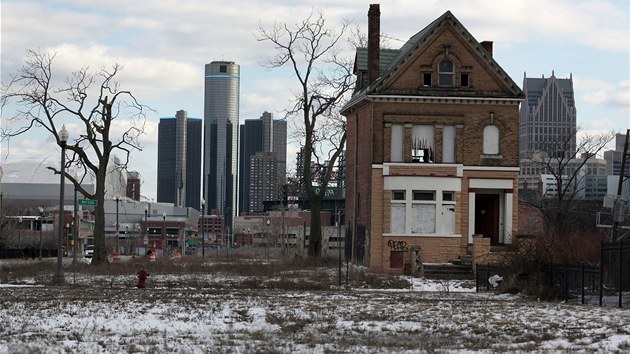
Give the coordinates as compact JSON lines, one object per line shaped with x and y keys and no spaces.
{"x":315,"y":238}
{"x":100,"y":248}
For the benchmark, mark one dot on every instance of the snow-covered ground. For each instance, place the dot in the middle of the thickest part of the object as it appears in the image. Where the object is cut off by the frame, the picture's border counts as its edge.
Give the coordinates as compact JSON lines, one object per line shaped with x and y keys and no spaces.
{"x":203,"y":313}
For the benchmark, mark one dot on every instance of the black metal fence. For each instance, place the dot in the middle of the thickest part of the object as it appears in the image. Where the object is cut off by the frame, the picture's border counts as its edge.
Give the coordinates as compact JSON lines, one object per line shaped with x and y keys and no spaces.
{"x":606,"y":284}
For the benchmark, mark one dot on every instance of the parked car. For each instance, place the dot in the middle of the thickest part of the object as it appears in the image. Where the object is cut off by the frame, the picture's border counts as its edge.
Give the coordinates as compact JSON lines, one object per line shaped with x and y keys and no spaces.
{"x":89,"y":251}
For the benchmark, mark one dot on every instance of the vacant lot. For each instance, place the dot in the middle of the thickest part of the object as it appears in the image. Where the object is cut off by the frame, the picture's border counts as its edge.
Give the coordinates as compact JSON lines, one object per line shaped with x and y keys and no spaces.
{"x":267,"y":307}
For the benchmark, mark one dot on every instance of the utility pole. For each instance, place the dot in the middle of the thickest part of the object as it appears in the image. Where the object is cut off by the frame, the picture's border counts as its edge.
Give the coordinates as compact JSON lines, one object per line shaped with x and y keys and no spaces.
{"x":618,"y":205}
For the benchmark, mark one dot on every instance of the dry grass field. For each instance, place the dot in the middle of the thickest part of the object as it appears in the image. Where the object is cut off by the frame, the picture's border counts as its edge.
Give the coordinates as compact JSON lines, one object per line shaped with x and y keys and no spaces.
{"x":262,"y":306}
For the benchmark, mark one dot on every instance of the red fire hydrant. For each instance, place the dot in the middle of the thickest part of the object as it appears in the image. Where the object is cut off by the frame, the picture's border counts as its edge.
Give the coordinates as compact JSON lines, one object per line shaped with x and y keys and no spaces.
{"x":142,"y":277}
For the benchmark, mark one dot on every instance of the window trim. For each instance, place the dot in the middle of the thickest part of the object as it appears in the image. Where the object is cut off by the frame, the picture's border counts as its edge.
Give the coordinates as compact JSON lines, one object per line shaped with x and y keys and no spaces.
{"x":461,"y":79}
{"x":397,"y":198}
{"x":438,"y":202}
{"x":446,"y":74}
{"x":427,"y":77}
{"x":491,"y":140}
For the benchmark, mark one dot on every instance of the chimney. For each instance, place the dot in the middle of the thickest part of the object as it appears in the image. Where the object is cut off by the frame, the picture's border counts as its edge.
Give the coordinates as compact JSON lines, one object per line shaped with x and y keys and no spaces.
{"x":487,"y":45}
{"x":374,"y":33}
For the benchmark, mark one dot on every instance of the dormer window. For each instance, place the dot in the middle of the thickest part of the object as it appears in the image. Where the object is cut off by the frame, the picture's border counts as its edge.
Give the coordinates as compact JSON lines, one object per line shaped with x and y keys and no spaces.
{"x":446,"y":73}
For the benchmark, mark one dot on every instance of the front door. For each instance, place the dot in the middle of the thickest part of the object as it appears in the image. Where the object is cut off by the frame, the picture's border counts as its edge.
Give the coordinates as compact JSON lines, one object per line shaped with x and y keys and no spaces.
{"x":487,"y":216}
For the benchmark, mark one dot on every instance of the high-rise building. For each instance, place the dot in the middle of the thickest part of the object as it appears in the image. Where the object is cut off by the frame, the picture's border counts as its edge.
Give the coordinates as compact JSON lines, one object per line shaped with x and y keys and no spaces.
{"x":547,"y":117}
{"x":221,"y":110}
{"x":263,"y":172}
{"x":615,"y":157}
{"x":179,"y":161}
{"x":263,"y":135}
{"x":133,"y":185}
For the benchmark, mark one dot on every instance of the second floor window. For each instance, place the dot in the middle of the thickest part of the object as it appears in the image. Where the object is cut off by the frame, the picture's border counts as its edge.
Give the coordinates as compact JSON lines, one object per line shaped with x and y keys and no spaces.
{"x":491,"y":140}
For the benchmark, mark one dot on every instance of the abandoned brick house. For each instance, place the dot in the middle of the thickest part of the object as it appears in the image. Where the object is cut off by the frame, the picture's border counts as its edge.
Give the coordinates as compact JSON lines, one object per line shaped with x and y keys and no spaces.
{"x":432,"y":150}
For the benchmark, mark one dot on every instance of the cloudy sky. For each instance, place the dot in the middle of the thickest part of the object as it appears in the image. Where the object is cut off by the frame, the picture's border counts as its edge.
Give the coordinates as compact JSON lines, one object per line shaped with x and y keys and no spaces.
{"x":163,"y":46}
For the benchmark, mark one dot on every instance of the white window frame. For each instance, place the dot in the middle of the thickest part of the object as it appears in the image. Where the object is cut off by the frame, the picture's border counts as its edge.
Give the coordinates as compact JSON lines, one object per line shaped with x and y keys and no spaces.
{"x":442,"y":214}
{"x":446,"y":75}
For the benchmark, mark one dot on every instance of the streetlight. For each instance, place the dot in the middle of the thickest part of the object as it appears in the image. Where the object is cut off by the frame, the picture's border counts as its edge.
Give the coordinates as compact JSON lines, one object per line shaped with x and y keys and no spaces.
{"x":127,"y":238}
{"x":63,"y":139}
{"x":67,"y":239}
{"x":117,"y":250}
{"x":146,"y":226}
{"x":163,"y":233}
{"x":20,"y":232}
{"x":41,"y":227}
{"x":203,"y":228}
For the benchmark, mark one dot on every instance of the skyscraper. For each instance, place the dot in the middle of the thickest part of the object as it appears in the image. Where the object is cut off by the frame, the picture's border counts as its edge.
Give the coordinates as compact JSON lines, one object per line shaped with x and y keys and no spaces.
{"x":258,"y":136}
{"x":263,"y":170}
{"x":221,"y":105}
{"x":179,"y":161}
{"x":547,"y":118}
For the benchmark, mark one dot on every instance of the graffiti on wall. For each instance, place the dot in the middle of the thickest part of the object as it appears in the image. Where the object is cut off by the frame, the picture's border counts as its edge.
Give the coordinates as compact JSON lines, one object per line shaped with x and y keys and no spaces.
{"x":397,"y":245}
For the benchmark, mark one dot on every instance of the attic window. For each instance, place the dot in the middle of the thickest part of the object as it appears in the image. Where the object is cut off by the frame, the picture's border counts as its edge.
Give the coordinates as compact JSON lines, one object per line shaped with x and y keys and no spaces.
{"x":464,"y":80}
{"x":446,"y":71}
{"x":426,"y":79}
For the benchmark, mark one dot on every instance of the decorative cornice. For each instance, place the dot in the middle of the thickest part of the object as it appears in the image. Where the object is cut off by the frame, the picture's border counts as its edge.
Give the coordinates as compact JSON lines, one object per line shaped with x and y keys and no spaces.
{"x":444,"y":100}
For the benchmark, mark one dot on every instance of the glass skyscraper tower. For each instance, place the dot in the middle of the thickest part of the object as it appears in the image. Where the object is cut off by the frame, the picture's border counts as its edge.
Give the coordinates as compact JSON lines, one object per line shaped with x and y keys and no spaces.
{"x":221,"y":104}
{"x":179,"y":160}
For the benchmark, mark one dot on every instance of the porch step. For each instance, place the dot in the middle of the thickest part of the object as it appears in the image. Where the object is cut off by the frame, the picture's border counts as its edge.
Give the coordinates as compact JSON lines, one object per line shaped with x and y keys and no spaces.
{"x":448,"y":271}
{"x":463,"y":260}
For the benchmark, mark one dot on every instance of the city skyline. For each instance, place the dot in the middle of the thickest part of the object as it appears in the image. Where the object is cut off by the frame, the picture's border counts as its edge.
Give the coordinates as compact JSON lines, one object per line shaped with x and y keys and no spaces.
{"x":163,"y":48}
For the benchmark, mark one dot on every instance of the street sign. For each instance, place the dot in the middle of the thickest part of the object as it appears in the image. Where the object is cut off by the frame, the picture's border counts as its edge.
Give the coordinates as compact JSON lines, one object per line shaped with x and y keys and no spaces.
{"x":87,"y":202}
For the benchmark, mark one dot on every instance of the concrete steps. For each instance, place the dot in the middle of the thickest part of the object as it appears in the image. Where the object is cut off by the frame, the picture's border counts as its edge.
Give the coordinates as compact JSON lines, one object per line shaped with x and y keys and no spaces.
{"x":460,"y":269}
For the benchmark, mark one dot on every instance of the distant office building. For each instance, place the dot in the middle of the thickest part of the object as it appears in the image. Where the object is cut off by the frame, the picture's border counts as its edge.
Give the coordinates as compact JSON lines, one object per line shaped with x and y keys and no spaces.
{"x":584,"y":179}
{"x":221,"y":114}
{"x":547,"y":117}
{"x":263,"y":142}
{"x":133,"y":185}
{"x":595,"y":186}
{"x":264,"y":175}
{"x":614,"y":157}
{"x":179,"y":161}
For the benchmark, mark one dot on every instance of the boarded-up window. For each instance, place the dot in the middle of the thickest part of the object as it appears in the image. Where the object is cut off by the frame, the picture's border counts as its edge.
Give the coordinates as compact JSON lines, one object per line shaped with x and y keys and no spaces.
{"x":397,"y":143}
{"x":398,"y":218}
{"x":423,"y":216}
{"x":447,"y":220}
{"x":448,"y":144}
{"x":396,"y":259}
{"x":491,"y":140}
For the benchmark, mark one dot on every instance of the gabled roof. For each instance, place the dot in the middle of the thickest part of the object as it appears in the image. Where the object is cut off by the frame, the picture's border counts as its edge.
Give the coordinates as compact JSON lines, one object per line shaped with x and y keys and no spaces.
{"x":416,"y":42}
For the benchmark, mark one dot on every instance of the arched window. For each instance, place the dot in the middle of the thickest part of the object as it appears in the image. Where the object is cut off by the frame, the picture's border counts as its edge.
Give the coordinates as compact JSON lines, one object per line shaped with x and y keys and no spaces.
{"x":491,"y":140}
{"x":446,"y":73}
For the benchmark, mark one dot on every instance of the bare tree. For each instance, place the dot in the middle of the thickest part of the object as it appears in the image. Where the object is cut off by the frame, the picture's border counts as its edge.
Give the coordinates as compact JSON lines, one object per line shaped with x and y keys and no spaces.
{"x":568,"y":170}
{"x":44,"y":104}
{"x":312,"y":51}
